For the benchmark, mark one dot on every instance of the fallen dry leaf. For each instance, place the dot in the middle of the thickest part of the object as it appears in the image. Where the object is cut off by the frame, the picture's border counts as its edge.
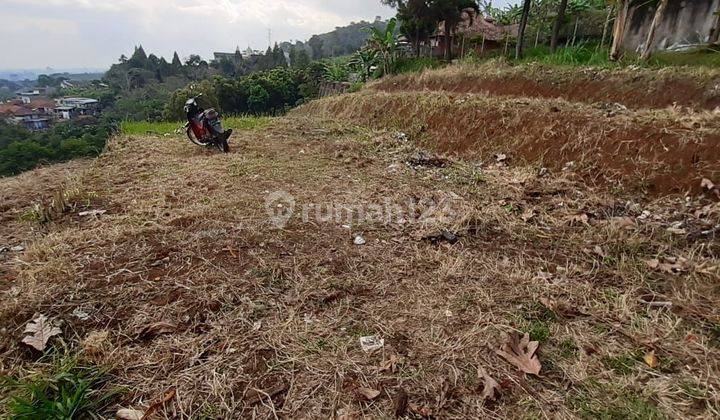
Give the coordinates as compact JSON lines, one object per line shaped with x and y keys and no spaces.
{"x":94,"y":342}
{"x":706,"y":183}
{"x":159,"y":328}
{"x":626,"y":223}
{"x":560,"y":308}
{"x":40,"y":332}
{"x":368,"y":393}
{"x":389,"y":365}
{"x":491,"y":388}
{"x":527,"y":215}
{"x":129,"y":414}
{"x":651,"y":360}
{"x":577,"y":219}
{"x":169,"y":395}
{"x":521,"y":353}
{"x":255,"y":396}
{"x":420,"y":410}
{"x":668,"y":265}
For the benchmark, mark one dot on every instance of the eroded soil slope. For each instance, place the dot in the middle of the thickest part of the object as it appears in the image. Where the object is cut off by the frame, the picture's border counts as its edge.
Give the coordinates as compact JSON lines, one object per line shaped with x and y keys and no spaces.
{"x":188,"y":285}
{"x":632,"y":87}
{"x":644,"y":151}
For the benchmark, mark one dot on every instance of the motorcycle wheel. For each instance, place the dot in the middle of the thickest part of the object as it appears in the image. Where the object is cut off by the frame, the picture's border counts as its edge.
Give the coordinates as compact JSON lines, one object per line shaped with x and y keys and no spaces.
{"x":222,"y":144}
{"x":193,"y":138}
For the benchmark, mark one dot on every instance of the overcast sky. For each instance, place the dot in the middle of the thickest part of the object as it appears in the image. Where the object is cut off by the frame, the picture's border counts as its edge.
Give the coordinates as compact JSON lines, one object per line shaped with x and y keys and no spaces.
{"x":94,"y":33}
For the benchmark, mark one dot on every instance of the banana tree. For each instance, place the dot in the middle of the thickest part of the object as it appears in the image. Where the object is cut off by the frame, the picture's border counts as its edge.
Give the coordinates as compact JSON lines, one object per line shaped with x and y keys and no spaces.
{"x":364,"y":61}
{"x":384,"y":43}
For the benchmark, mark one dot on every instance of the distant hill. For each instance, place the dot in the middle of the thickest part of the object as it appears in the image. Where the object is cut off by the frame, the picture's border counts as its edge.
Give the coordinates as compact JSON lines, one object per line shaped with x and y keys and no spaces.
{"x":343,"y":40}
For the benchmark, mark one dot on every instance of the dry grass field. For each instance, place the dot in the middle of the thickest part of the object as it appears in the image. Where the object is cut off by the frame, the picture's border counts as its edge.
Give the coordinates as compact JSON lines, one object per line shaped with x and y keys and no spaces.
{"x":448,"y":246}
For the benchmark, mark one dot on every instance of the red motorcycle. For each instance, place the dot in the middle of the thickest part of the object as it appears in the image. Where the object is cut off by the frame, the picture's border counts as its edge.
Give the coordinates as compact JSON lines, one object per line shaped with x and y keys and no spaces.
{"x":204,"y":127}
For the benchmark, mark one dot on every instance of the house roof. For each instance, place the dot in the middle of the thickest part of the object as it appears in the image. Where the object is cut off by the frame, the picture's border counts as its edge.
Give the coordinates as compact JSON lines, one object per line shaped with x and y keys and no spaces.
{"x":22,"y":112}
{"x":42,"y":103}
{"x":473,"y":26}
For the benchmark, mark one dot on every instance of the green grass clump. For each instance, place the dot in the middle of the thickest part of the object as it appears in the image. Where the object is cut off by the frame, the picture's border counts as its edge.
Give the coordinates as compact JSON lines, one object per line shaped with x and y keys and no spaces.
{"x":593,"y":400}
{"x":68,"y":391}
{"x":415,"y":65}
{"x":160,"y":128}
{"x":622,"y":365}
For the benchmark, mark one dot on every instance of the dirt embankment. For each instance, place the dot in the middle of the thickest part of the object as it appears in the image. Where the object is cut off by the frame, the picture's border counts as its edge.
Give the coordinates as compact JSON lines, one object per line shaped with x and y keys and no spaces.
{"x":658,"y":151}
{"x":633,"y":88}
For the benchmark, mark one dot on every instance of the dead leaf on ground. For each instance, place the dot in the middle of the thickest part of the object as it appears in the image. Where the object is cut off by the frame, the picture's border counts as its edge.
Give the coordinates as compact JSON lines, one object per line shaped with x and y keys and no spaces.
{"x":368,"y":394}
{"x":668,"y":265}
{"x":158,"y":328}
{"x":651,"y":360}
{"x":169,"y":395}
{"x":129,"y":414}
{"x":491,"y":388}
{"x":707,"y":184}
{"x":527,"y":214}
{"x":521,"y":353}
{"x":561,"y":309}
{"x":255,"y":396}
{"x":40,"y":331}
{"x":95,"y":341}
{"x":626,"y":223}
{"x":577,"y":219}
{"x":389,"y":365}
{"x":420,"y":410}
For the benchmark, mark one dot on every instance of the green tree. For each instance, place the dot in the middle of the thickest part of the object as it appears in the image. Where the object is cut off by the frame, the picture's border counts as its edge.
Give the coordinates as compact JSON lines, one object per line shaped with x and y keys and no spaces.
{"x":450,"y":13}
{"x":176,"y":64}
{"x":139,"y":59}
{"x":258,"y":99}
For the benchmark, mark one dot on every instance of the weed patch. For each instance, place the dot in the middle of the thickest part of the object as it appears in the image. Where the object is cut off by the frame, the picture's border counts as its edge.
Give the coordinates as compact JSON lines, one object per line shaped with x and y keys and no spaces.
{"x":66,"y":390}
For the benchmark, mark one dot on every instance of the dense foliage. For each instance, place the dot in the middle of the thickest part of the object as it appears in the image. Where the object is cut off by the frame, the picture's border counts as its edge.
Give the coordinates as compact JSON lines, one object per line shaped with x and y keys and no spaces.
{"x":21,"y":150}
{"x":267,"y":92}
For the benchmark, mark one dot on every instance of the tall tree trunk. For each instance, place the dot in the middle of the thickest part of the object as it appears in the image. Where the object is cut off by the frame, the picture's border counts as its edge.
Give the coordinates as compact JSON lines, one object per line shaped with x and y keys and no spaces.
{"x":559,"y":20}
{"x":607,"y":25}
{"x":659,"y":13}
{"x":448,"y":41}
{"x":577,"y":21}
{"x":715,"y":33}
{"x":619,"y":28}
{"x":417,"y":42}
{"x":521,"y":30}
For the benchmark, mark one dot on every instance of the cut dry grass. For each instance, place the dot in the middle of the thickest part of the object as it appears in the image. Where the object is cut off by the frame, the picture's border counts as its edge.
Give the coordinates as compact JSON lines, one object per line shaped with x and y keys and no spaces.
{"x":633,"y":87}
{"x":189,"y":286}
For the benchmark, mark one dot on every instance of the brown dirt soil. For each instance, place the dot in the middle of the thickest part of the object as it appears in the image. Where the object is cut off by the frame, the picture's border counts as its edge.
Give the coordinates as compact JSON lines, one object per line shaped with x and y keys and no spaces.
{"x":656,"y":151}
{"x":264,"y":322}
{"x":634,"y":89}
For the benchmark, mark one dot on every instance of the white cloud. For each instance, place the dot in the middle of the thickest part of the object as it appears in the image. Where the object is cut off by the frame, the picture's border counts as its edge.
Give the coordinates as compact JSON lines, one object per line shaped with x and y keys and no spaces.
{"x":75,"y":33}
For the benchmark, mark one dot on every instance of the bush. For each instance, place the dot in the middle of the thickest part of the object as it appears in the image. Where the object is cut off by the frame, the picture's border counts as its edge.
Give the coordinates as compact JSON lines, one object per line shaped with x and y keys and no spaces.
{"x":22,"y":150}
